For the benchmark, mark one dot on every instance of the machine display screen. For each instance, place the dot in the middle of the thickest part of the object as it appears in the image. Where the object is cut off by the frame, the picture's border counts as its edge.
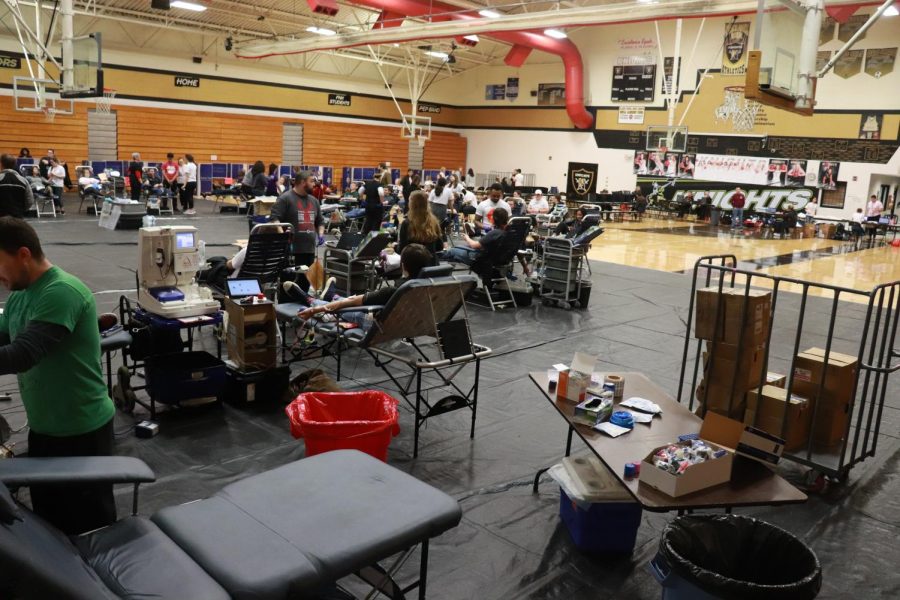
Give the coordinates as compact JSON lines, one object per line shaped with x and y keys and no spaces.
{"x":241,"y":288}
{"x":184,"y":241}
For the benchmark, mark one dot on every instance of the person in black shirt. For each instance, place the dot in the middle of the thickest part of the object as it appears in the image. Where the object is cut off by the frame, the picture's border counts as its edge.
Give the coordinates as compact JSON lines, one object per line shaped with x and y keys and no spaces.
{"x":413,"y":259}
{"x":486,"y":244}
{"x":136,"y":175}
{"x":300,"y":208}
{"x":572,"y":227}
{"x":373,"y":192}
{"x":407,"y":185}
{"x":420,"y":226}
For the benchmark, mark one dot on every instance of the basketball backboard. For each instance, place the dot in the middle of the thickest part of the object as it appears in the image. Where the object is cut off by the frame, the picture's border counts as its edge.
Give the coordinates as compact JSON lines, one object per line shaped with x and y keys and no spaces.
{"x":87,"y":68}
{"x":664,"y":138}
{"x":416,"y":127}
{"x":774,"y":73}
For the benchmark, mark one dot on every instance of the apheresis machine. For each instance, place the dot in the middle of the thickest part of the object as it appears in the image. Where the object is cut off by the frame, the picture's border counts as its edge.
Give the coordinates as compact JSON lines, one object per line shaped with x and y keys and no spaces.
{"x":170,"y":259}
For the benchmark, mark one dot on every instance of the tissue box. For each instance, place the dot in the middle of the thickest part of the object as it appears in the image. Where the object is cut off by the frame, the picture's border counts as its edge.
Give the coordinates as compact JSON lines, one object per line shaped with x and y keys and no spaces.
{"x":575,"y":380}
{"x":593,"y":410}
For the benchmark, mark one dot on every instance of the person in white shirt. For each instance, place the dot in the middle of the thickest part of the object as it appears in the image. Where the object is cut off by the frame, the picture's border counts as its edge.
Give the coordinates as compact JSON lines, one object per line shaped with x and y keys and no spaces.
{"x":811,"y":209}
{"x":57,"y":182}
{"x":874,"y":207}
{"x":190,"y":185}
{"x":179,"y":185}
{"x":518,"y":179}
{"x":538,"y":205}
{"x":439,"y":200}
{"x":484,"y":213}
{"x":470,"y":178}
{"x":858,"y":216}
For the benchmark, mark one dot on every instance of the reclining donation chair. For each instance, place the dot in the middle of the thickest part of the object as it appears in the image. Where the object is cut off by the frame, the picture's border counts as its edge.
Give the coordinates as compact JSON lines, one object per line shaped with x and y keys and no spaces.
{"x":420,"y":313}
{"x":285,"y":533}
{"x":267,"y":254}
{"x":494,"y":268}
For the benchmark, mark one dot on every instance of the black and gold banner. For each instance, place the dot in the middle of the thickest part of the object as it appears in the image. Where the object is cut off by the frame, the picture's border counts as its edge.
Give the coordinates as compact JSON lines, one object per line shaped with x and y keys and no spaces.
{"x":582,"y":180}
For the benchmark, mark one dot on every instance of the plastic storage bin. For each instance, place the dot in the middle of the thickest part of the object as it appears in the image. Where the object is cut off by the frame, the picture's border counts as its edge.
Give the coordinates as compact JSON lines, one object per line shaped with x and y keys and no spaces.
{"x":181,"y":376}
{"x":364,"y":421}
{"x":256,"y":387}
{"x":704,"y":557}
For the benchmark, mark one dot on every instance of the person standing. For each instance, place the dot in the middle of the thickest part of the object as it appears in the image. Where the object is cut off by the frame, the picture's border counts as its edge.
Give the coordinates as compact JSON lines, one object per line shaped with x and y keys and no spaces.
{"x":384,"y":179}
{"x":272,"y":181}
{"x":300,"y":208}
{"x":170,"y":179}
{"x":811,"y":208}
{"x":50,"y":339}
{"x":179,"y":186}
{"x":738,"y":201}
{"x":190,"y":185}
{"x":406,"y":184}
{"x":874,"y":207}
{"x":439,"y":200}
{"x":58,"y":182}
{"x":44,"y":164}
{"x":470,"y":178}
{"x":16,"y":196}
{"x":135,"y":175}
{"x":373,"y":194}
{"x":518,"y":179}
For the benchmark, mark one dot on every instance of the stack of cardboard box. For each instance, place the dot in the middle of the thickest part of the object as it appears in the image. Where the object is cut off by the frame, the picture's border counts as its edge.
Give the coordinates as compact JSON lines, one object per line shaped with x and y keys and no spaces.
{"x":735,"y":345}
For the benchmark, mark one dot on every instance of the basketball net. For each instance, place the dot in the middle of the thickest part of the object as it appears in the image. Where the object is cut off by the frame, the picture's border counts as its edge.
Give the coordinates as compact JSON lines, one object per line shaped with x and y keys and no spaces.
{"x":49,"y":114}
{"x":739,"y":110}
{"x":104,"y":102}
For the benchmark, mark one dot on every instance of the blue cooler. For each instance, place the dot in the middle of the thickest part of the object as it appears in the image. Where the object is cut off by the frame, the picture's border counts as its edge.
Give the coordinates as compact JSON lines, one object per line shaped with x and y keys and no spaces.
{"x":607,"y":521}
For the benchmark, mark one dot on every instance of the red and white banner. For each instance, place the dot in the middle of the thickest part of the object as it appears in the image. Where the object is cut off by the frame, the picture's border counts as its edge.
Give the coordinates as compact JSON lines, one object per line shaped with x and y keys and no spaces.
{"x":733,"y":169}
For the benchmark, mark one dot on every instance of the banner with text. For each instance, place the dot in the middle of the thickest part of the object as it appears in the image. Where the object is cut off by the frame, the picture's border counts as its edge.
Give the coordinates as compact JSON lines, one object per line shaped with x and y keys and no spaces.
{"x":737,"y":169}
{"x":582,"y":180}
{"x":759,"y":197}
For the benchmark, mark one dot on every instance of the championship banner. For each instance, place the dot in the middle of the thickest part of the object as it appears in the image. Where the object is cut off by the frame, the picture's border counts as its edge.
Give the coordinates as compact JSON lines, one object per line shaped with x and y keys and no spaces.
{"x":822,"y":59}
{"x":759,"y":197}
{"x":582,"y":180}
{"x":737,"y":169}
{"x":880,"y":61}
{"x":734,"y":57}
{"x":849,"y":64}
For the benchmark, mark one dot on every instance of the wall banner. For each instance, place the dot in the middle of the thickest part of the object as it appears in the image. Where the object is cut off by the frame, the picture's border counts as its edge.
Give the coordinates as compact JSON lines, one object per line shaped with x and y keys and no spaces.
{"x":880,"y":61}
{"x":735,"y":169}
{"x":734,"y":56}
{"x":759,"y":197}
{"x":512,"y":87}
{"x":582,"y":180}
{"x":495,"y":92}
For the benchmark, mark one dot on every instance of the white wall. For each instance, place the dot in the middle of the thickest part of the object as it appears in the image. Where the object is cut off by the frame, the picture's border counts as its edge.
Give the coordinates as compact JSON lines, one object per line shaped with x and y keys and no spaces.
{"x":547,"y":154}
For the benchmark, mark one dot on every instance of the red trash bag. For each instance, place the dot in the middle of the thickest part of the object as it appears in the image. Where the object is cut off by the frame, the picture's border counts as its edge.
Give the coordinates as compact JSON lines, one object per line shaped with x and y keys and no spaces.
{"x":364,"y":421}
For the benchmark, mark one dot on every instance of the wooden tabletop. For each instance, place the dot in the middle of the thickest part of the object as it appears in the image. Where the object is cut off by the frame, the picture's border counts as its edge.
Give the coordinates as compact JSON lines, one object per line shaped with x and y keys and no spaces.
{"x":751,"y":484}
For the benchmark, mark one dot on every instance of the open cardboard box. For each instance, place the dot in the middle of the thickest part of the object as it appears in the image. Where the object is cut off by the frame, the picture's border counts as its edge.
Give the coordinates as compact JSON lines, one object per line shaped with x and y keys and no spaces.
{"x":720,"y":433}
{"x":574,"y":381}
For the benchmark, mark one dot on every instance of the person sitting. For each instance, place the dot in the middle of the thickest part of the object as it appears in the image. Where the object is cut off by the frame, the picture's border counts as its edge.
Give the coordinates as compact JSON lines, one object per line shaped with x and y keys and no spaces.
{"x":684,"y":204}
{"x":152,"y":183}
{"x":574,"y":227}
{"x":538,"y":205}
{"x":420,"y":226}
{"x":485,"y":245}
{"x":484,"y":212}
{"x":16,"y":194}
{"x":413,"y":259}
{"x":255,"y":181}
{"x":221,"y":268}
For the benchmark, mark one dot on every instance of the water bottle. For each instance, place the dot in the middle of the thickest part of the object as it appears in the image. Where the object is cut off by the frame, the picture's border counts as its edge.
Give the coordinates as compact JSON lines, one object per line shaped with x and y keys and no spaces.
{"x":202,"y":247}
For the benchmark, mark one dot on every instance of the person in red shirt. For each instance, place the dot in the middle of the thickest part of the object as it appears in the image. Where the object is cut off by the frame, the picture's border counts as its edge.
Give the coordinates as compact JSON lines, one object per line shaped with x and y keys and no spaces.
{"x":738,"y":201}
{"x":318,"y":189}
{"x":170,"y":178}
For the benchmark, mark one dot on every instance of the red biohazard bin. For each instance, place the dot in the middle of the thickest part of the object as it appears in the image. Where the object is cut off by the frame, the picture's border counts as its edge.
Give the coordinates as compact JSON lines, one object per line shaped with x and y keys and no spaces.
{"x":364,"y":421}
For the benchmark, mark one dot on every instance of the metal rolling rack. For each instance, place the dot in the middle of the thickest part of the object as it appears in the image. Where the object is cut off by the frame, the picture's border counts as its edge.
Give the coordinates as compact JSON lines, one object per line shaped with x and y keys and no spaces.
{"x":831,"y":316}
{"x":563,"y":263}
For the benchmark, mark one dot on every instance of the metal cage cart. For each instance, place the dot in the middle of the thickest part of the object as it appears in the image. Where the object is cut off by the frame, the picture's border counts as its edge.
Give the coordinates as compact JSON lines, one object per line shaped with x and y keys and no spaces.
{"x":830,"y":350}
{"x":563,"y":281}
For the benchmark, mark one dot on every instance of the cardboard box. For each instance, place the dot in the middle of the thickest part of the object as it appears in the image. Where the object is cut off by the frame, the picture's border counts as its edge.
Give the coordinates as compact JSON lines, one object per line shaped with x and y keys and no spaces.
{"x":830,"y":425}
{"x":251,"y":337}
{"x":776,"y":379}
{"x":575,"y":380}
{"x":719,"y":433}
{"x":593,"y":410}
{"x":717,"y":400}
{"x":840,"y":378}
{"x":826,"y":230}
{"x":732,"y":362}
{"x":720,"y":315}
{"x":766,"y":412}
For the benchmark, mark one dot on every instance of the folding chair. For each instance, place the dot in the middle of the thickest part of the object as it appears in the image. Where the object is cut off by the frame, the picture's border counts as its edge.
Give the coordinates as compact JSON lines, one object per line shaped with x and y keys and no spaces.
{"x":351,"y":261}
{"x":494,"y":269}
{"x":421,"y":313}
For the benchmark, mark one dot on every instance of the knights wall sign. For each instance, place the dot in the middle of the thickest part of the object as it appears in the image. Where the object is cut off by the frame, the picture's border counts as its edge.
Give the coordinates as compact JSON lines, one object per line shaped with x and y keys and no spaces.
{"x":582,"y":180}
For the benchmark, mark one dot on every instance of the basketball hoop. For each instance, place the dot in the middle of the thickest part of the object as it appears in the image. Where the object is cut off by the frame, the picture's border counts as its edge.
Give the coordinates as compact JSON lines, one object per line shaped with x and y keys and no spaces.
{"x":422,"y":139}
{"x":104,"y":102}
{"x":49,"y":114}
{"x":741,"y":111}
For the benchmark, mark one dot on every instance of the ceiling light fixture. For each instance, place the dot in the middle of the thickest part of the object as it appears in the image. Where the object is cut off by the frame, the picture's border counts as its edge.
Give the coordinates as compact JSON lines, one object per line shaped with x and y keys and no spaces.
{"x":555,"y":34}
{"x":441,"y":55}
{"x":471,"y":38}
{"x":187,"y":5}
{"x":490,"y":14}
{"x":320,"y":30}
{"x":891,"y":11}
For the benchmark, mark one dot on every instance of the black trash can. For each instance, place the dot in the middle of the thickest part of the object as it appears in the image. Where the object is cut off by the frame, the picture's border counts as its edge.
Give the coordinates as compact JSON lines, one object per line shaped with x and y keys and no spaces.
{"x":733,"y":557}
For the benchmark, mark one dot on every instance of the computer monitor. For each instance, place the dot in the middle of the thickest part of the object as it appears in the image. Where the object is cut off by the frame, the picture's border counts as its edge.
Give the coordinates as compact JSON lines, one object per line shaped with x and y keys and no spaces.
{"x":241,"y":288}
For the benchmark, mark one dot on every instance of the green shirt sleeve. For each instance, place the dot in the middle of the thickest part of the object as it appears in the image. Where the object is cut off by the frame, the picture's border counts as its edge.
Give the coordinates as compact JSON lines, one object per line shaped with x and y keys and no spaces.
{"x":59,"y":304}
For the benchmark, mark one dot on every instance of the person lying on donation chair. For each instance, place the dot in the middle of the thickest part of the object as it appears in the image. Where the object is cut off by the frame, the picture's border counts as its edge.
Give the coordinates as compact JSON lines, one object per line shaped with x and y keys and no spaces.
{"x":413,"y":259}
{"x":221,"y":268}
{"x":486,"y":244}
{"x":575,"y":226}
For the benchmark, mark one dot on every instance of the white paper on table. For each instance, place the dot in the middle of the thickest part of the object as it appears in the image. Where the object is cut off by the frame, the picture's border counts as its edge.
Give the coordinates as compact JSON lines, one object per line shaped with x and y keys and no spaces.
{"x":640,"y":417}
{"x":610,"y":429}
{"x":642,"y":405}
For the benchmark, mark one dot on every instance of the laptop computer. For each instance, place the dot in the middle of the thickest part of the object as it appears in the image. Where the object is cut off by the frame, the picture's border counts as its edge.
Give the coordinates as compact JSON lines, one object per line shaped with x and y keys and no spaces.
{"x":241,"y":288}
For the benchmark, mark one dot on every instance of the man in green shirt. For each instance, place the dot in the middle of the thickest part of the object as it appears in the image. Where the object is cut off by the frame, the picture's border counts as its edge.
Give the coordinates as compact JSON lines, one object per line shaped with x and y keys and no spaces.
{"x":50,"y":339}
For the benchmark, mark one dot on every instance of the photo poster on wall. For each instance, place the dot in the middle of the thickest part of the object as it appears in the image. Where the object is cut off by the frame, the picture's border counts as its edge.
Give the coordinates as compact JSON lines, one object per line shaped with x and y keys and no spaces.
{"x":670,"y":165}
{"x":551,"y":94}
{"x":582,"y":180}
{"x":870,"y":125}
{"x":686,"y":166}
{"x":736,"y":169}
{"x":495,"y":91}
{"x":512,"y":87}
{"x":734,"y":53}
{"x":828,"y":174}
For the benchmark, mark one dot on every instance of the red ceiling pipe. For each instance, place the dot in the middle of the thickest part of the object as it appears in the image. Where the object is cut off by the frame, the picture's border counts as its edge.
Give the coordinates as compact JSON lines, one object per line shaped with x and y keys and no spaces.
{"x":565,"y":49}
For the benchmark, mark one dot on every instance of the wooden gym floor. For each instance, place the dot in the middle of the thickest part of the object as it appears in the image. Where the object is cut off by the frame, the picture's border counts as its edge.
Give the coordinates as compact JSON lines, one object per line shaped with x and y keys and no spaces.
{"x":674,"y":246}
